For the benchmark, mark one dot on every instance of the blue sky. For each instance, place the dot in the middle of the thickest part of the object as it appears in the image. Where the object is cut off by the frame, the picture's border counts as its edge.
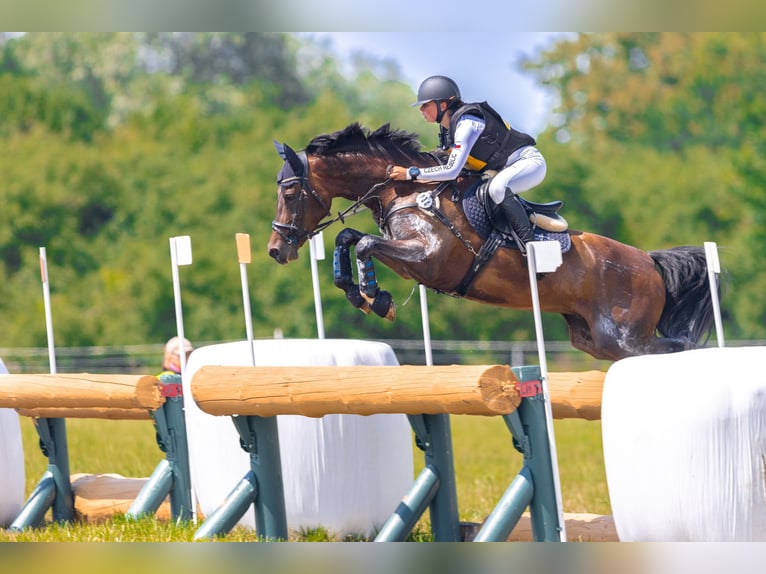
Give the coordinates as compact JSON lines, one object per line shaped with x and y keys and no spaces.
{"x":485,"y":65}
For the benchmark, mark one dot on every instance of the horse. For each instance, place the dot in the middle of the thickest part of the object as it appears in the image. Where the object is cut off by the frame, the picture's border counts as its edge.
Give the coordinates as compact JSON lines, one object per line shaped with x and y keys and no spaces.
{"x":617,"y":300}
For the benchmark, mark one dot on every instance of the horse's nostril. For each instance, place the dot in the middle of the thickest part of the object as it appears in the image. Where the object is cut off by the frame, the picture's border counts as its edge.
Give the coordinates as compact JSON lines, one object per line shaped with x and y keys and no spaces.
{"x":274,"y":253}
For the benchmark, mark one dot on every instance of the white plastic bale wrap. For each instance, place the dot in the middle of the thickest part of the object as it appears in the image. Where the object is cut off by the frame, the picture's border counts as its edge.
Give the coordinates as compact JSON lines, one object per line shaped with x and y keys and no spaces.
{"x":11,"y":463}
{"x":685,"y":445}
{"x":346,"y":473}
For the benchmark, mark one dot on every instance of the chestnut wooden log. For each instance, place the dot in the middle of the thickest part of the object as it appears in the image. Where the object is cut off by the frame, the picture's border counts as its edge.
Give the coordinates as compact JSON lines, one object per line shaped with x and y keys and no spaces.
{"x":362,"y":390}
{"x":580,"y":527}
{"x":98,"y":497}
{"x":88,"y":413}
{"x":576,"y":395}
{"x":73,"y":393}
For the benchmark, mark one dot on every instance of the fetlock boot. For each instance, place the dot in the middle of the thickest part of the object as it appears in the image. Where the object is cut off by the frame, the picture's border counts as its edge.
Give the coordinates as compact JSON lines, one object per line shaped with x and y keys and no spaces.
{"x":517,"y":216}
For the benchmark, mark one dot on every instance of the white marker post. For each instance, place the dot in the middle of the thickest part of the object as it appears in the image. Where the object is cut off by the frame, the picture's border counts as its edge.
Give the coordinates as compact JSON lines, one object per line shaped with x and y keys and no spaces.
{"x":545,"y":257}
{"x":62,"y":505}
{"x":181,"y":254}
{"x":316,"y":249}
{"x":426,"y":326}
{"x":713,"y":267}
{"x":244,"y":256}
{"x":48,"y":314}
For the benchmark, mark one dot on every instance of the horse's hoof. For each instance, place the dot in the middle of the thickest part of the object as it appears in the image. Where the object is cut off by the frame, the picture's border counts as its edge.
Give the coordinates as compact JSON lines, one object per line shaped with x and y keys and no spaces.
{"x":358,"y":300}
{"x":383,"y":305}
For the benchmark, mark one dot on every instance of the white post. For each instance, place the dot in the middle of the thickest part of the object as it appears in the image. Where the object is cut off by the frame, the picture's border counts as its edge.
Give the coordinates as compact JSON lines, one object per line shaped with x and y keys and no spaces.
{"x":426,"y":326}
{"x":316,"y":250}
{"x":545,"y":257}
{"x":48,"y":313}
{"x":181,"y":254}
{"x":713,"y":267}
{"x":244,"y":256}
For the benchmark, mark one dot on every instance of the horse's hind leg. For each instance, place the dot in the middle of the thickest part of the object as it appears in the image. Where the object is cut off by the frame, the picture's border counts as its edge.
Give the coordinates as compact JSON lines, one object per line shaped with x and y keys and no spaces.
{"x":605,"y":339}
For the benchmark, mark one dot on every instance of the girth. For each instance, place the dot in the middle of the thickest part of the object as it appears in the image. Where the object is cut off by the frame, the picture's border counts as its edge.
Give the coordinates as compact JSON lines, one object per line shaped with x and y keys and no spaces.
{"x":426,"y":202}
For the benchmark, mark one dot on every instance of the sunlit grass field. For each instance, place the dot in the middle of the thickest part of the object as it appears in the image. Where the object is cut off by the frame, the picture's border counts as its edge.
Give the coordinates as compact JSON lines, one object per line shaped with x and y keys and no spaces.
{"x":485,"y":464}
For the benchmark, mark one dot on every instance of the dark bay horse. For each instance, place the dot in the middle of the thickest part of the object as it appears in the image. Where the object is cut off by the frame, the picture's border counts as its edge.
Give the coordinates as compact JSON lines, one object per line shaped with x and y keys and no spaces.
{"x":617,"y":300}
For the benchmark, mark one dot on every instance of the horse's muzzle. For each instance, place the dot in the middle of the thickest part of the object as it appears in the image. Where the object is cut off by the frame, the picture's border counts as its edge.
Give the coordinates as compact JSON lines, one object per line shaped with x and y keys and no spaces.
{"x":277,"y":256}
{"x":282,"y":253}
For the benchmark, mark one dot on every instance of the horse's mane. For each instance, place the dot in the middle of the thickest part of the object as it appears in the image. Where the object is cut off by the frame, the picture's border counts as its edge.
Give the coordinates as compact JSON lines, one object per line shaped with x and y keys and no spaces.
{"x":354,"y":138}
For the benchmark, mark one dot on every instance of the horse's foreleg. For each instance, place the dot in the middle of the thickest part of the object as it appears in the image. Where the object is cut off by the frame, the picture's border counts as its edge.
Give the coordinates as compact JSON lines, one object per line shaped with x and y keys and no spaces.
{"x":341,"y":266}
{"x":380,"y":301}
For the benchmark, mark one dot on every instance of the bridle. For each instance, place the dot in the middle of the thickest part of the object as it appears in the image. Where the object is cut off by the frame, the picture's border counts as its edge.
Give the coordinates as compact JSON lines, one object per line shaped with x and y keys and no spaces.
{"x":291,"y":232}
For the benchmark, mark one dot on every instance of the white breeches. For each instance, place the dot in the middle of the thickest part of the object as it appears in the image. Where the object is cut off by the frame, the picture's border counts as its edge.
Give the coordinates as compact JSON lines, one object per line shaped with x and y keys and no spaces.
{"x":524,"y":170}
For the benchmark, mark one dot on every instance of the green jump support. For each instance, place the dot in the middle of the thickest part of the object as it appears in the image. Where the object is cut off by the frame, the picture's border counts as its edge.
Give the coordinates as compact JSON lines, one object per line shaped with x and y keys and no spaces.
{"x":171,"y":476}
{"x":262,"y":487}
{"x":435,"y":487}
{"x":534,"y":486}
{"x":54,"y":490}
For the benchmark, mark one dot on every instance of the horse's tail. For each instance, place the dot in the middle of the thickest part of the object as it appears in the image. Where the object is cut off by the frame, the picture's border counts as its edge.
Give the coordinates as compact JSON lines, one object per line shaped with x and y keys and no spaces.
{"x":688,"y":311}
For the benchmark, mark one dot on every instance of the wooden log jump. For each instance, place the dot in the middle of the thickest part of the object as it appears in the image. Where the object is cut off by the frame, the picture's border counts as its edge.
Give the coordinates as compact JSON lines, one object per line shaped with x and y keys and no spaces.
{"x":576,"y":395}
{"x":84,"y":395}
{"x":81,"y":395}
{"x":362,"y":390}
{"x":317,"y":391}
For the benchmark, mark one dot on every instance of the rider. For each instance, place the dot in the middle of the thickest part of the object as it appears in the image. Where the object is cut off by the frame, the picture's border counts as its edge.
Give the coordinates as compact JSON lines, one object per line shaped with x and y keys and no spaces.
{"x":479,"y":139}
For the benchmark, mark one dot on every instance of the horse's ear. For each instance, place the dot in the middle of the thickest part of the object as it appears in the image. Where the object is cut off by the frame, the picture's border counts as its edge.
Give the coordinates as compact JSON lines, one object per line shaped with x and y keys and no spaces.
{"x":280,"y":149}
{"x":295,"y":162}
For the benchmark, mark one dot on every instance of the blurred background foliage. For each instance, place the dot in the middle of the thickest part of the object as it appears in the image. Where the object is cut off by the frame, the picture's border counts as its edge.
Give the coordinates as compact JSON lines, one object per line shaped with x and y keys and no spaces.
{"x":110,"y":143}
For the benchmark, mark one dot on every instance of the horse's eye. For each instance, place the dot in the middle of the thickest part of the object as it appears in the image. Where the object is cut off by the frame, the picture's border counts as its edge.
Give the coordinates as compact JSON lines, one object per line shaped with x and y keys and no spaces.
{"x":289,"y":193}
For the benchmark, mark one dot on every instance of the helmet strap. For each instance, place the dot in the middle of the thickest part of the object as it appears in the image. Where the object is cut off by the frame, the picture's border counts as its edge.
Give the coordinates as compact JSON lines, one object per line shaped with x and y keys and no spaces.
{"x":439,"y":111}
{"x":452,"y":104}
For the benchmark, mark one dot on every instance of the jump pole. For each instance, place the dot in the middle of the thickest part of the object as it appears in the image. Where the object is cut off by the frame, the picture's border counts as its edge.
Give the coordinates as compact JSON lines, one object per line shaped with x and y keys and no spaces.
{"x":262,"y":486}
{"x":181,"y":254}
{"x":713,"y":267}
{"x":537,"y":485}
{"x":316,"y":250}
{"x":545,"y":257}
{"x":244,"y":256}
{"x":54,"y":490}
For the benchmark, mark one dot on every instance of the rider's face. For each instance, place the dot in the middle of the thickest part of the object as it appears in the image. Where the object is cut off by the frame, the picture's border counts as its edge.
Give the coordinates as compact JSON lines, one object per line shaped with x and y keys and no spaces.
{"x":429,"y":110}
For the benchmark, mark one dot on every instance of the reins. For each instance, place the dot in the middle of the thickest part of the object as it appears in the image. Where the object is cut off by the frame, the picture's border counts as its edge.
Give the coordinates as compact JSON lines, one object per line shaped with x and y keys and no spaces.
{"x":291,"y":233}
{"x":353,"y":209}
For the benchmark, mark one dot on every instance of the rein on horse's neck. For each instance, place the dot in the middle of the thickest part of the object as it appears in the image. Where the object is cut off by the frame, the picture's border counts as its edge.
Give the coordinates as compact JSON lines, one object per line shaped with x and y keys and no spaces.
{"x":353,"y":209}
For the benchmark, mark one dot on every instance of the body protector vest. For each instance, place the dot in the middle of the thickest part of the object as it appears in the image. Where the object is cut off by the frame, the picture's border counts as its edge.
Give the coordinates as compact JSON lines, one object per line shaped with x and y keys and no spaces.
{"x":496,"y":142}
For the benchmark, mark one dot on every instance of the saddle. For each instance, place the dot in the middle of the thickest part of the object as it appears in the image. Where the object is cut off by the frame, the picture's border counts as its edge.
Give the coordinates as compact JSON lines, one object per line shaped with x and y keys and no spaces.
{"x":542,"y":215}
{"x":487,"y":219}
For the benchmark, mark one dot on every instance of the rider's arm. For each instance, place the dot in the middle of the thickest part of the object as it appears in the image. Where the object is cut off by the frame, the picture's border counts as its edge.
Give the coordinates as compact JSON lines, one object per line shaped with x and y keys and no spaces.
{"x":467,"y":131}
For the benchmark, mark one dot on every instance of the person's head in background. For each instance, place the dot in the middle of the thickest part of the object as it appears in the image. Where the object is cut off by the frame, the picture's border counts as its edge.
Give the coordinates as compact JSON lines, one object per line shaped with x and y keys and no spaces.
{"x":172,"y":358}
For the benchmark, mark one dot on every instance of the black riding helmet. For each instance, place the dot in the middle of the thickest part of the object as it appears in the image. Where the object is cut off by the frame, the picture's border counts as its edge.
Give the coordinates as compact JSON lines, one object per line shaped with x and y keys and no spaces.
{"x":437,"y":88}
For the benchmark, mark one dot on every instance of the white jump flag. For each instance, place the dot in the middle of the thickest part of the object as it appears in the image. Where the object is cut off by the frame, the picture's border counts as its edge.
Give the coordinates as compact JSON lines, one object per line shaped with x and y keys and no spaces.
{"x":713,"y":267}
{"x":180,"y":254}
{"x":48,"y":314}
{"x":244,"y":256}
{"x":545,"y":257}
{"x":316,"y":250}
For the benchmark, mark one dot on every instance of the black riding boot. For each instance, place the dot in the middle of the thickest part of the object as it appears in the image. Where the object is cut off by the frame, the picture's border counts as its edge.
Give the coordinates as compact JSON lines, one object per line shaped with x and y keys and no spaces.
{"x":517,"y":216}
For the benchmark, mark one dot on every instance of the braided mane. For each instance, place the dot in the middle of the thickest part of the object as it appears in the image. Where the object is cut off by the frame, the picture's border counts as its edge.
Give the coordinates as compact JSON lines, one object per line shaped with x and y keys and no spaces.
{"x":384,"y":141}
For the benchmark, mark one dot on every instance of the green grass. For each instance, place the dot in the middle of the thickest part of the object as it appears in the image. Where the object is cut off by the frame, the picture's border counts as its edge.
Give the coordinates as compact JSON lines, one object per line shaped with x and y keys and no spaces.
{"x":485,"y":464}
